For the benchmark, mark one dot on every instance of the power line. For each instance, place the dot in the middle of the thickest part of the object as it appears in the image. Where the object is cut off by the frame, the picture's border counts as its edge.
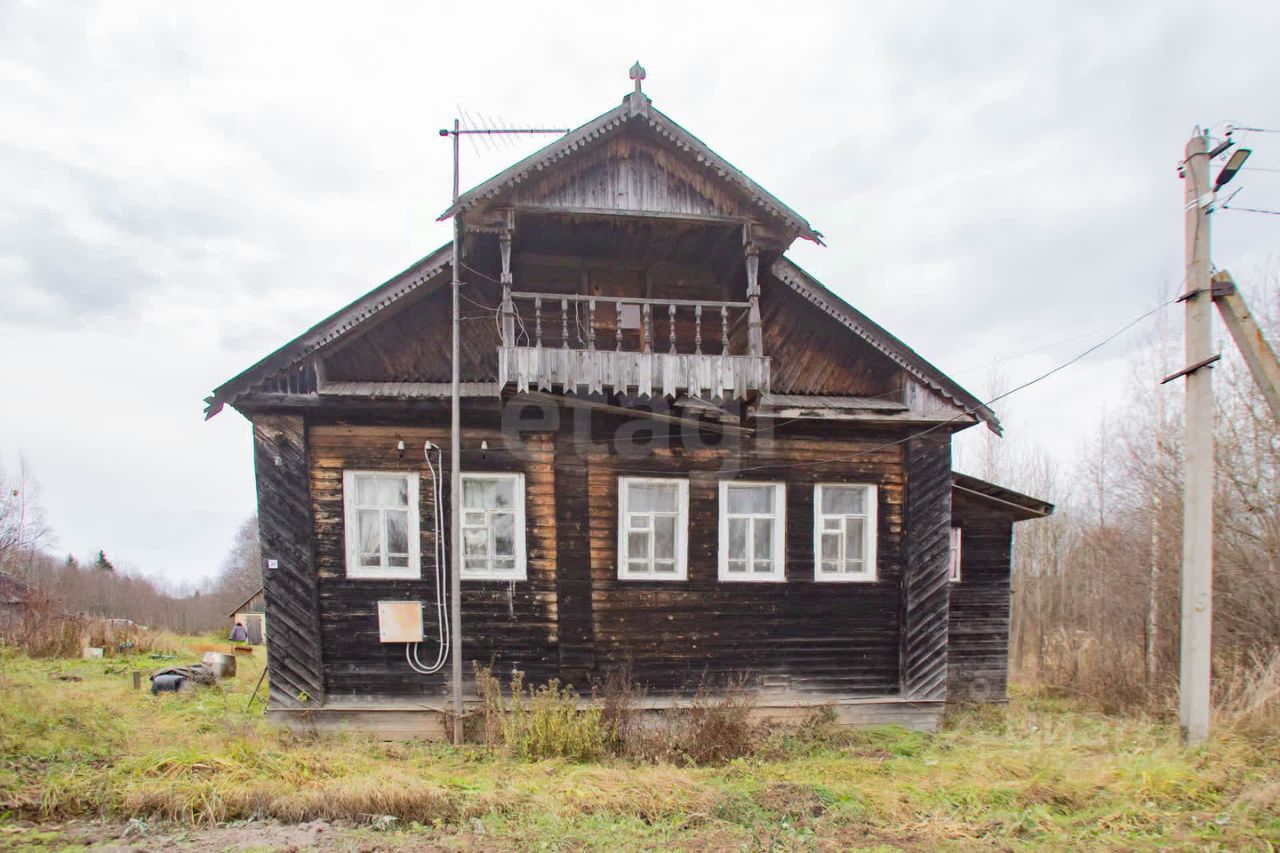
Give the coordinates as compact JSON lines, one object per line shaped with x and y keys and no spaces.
{"x":1251,"y":209}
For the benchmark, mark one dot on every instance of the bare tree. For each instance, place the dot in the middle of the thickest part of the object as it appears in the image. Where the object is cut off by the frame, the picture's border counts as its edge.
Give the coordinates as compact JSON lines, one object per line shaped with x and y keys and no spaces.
{"x":22,"y":524}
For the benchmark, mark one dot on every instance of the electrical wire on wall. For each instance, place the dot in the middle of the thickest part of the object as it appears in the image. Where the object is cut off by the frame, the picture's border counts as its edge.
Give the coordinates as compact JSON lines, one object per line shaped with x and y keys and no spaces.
{"x":442,"y":609}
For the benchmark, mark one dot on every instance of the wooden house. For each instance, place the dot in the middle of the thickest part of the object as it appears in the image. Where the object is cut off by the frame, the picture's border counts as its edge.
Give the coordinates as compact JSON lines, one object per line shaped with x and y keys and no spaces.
{"x":680,"y":453}
{"x":252,"y":614}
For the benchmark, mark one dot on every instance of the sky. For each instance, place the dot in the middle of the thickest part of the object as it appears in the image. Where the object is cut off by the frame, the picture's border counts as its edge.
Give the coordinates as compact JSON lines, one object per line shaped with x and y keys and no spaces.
{"x":187,"y":187}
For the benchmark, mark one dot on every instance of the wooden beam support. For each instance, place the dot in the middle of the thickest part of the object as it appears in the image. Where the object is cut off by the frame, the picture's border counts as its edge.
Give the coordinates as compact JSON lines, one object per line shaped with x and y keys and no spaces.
{"x":1248,"y":337}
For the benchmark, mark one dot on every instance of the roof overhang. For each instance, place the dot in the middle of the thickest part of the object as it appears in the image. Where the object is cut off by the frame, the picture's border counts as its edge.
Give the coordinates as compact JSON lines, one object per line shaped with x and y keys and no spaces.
{"x":1019,"y":506}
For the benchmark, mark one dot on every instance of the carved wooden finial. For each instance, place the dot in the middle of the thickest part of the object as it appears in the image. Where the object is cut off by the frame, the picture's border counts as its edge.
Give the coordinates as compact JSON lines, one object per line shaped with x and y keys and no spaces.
{"x":637,"y":74}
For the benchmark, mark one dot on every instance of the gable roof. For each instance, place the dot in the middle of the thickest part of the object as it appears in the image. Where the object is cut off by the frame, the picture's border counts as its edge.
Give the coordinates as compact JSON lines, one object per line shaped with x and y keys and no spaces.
{"x":423,"y":273}
{"x":262,"y":590}
{"x":636,"y":108}
{"x":791,"y":274}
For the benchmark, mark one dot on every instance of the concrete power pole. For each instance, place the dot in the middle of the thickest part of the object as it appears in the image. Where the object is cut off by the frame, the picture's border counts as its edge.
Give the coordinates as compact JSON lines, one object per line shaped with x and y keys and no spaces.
{"x":1197,"y":520}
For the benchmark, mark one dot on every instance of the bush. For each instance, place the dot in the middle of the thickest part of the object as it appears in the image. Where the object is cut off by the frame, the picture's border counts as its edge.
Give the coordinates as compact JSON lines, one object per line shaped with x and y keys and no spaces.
{"x":544,"y":722}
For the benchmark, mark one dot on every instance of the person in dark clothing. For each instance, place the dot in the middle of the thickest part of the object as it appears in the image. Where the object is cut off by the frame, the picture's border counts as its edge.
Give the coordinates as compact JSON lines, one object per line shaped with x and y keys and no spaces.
{"x":239,"y":634}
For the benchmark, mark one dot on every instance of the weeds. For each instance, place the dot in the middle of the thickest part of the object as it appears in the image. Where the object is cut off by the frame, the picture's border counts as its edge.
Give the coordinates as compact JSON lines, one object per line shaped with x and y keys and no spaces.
{"x":1041,"y":773}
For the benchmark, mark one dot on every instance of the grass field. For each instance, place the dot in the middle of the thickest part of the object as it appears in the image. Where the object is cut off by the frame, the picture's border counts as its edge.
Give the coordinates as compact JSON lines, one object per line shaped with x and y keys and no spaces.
{"x":86,"y":760}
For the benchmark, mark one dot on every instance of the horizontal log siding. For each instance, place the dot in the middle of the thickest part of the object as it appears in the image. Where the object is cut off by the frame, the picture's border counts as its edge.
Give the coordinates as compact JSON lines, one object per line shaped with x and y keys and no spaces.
{"x":506,"y":625}
{"x":802,"y":636}
{"x":978,"y":653}
{"x":577,"y":623}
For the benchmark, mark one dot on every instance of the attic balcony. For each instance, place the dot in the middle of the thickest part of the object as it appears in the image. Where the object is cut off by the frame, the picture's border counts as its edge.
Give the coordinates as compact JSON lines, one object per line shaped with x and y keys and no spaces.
{"x":622,"y":344}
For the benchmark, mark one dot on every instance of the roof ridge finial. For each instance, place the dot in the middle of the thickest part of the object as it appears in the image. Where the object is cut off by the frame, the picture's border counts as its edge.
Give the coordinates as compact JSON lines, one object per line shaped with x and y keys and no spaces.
{"x":637,"y":74}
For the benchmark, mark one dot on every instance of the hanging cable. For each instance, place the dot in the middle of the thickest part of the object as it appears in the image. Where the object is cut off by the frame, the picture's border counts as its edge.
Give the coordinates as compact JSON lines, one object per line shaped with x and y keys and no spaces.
{"x":439,"y":557}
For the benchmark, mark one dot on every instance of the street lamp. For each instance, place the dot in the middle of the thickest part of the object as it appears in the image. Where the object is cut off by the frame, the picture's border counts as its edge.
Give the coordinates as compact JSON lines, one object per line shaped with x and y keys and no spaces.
{"x":1234,"y":164}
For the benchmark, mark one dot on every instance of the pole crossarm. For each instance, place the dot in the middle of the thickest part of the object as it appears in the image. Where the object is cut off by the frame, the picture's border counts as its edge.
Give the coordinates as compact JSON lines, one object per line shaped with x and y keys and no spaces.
{"x":1257,"y":353}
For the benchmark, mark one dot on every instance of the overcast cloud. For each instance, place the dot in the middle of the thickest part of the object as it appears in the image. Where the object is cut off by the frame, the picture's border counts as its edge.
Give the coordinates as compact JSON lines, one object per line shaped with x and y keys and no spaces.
{"x":187,"y":187}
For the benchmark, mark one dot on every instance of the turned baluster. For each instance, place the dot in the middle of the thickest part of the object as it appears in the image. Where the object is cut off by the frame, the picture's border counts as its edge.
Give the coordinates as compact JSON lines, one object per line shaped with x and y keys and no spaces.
{"x":647,"y":322}
{"x":591,"y":324}
{"x":671,"y":327}
{"x":564,"y":323}
{"x":697,"y":329}
{"x":617,"y":325}
{"x":537,"y":320}
{"x":724,"y":330}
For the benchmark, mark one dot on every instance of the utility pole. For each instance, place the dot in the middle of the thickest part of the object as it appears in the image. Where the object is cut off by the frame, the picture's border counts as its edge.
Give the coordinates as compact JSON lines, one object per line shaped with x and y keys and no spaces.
{"x":1197,"y":520}
{"x":455,"y":424}
{"x":455,"y":465}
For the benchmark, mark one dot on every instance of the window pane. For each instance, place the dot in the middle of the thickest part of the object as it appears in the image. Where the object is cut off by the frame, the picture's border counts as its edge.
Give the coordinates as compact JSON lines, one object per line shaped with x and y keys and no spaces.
{"x":763,"y":545}
{"x":639,"y":522}
{"x":663,"y":496}
{"x":398,"y":561}
{"x":397,"y":532}
{"x":664,"y":543}
{"x":369,"y":523}
{"x":844,"y":500}
{"x":639,"y":497}
{"x":854,"y":567}
{"x":750,"y":499}
{"x":504,"y":534}
{"x":477,"y":494}
{"x":665,"y":567}
{"x":854,"y":545}
{"x":366,"y":490}
{"x":504,"y":564}
{"x":475,"y":541}
{"x":738,"y":566}
{"x":638,"y":567}
{"x":830,"y":546}
{"x":737,"y":538}
{"x":473,"y":519}
{"x":504,"y":492}
{"x":830,"y":566}
{"x":638,"y":545}
{"x":762,"y":567}
{"x":832,"y":524}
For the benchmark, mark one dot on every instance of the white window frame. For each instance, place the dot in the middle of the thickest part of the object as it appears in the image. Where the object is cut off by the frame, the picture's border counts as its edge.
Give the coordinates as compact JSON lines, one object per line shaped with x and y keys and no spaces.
{"x":779,"y":514}
{"x":521,"y":571}
{"x":955,"y":566}
{"x":869,"y":534}
{"x":682,"y":530}
{"x":350,"y":513}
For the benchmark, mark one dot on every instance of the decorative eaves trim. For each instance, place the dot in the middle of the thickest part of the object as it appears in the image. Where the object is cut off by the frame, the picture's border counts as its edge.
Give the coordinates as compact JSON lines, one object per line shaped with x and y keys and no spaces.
{"x":811,"y":289}
{"x":331,"y":329}
{"x":603,"y":126}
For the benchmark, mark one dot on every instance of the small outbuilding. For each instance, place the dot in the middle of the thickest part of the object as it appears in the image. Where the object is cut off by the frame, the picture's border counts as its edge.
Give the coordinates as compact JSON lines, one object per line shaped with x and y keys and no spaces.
{"x":252,"y":613}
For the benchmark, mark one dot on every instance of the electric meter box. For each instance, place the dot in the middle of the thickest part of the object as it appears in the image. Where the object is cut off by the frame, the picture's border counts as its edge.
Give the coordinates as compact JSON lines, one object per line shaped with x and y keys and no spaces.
{"x":400,"y":621}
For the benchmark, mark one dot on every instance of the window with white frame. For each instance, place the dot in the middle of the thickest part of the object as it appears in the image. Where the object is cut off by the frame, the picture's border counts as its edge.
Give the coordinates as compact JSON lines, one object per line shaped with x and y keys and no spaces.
{"x":653,"y":528}
{"x":493,"y":527}
{"x":752,"y":524}
{"x":844,"y":532}
{"x":381,"y":515}
{"x":953,"y":572}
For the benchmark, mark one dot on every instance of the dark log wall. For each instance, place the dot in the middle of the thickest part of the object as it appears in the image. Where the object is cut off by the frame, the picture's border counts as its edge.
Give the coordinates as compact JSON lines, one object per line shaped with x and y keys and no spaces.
{"x":978,"y":654}
{"x":573,"y":618}
{"x":925,"y":587}
{"x":799,"y":636}
{"x":284,"y":530}
{"x":506,"y":624}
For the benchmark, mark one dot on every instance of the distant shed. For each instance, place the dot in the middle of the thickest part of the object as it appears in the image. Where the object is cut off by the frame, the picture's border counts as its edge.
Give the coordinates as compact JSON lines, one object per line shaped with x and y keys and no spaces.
{"x":253,"y":613}
{"x":13,"y":600}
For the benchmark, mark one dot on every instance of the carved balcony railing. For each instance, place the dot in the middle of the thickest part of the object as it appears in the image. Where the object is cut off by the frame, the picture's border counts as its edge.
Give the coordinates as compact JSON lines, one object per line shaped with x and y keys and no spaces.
{"x":629,"y":345}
